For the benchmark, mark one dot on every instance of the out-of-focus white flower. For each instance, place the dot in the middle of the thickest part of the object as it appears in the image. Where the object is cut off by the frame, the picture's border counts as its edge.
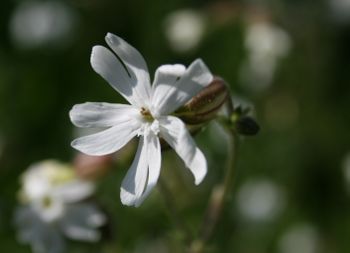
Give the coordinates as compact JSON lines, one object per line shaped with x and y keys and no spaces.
{"x":266,"y":44}
{"x":301,"y":238}
{"x":148,"y":116}
{"x":260,"y":200}
{"x":340,"y":10}
{"x":51,"y":197}
{"x":184,"y":29}
{"x":264,"y":40}
{"x":36,"y":23}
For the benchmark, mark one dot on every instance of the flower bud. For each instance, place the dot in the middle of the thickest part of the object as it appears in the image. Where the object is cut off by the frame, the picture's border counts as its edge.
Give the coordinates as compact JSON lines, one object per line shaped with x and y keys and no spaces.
{"x":246,"y":125}
{"x":204,"y":106}
{"x":92,"y":167}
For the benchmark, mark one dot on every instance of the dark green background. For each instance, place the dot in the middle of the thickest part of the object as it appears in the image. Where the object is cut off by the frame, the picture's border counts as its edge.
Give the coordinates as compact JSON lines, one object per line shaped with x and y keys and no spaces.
{"x":304,"y":156}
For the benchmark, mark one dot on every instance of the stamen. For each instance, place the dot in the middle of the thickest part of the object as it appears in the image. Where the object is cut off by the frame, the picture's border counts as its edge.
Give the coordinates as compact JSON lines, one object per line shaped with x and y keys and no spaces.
{"x":146,"y":114}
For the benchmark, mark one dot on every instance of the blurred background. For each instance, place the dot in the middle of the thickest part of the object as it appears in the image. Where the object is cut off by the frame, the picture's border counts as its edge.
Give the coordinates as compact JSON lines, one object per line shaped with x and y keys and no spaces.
{"x":289,"y":59}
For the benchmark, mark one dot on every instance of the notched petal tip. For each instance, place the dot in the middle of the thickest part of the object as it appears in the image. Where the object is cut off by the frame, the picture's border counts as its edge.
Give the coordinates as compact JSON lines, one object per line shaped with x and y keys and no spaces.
{"x":74,"y":114}
{"x":205,"y":77}
{"x":125,"y":198}
{"x":71,"y":114}
{"x":95,"y":57}
{"x":79,"y":146}
{"x":73,"y":143}
{"x":112,"y":39}
{"x":172,"y":69}
{"x":198,"y":61}
{"x":95,"y":49}
{"x":76,"y":145}
{"x":129,"y":199}
{"x":108,"y":35}
{"x":199,"y":167}
{"x":199,"y":178}
{"x":79,"y":106}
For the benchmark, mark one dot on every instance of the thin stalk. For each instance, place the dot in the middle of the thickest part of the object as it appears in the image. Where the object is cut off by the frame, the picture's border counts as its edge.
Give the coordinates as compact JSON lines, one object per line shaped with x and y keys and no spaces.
{"x":219,"y":195}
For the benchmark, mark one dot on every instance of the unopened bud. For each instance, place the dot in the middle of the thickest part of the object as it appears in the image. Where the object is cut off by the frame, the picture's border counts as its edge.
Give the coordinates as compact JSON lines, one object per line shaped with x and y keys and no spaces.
{"x":204,"y":106}
{"x":246,"y":125}
{"x":92,"y":167}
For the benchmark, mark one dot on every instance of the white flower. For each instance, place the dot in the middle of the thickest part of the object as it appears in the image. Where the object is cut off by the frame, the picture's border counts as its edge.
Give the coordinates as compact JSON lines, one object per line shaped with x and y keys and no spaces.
{"x":148,"y":116}
{"x":51,"y":196}
{"x":35,"y":24}
{"x":260,"y":200}
{"x":301,"y":238}
{"x":266,"y":45}
{"x":340,"y":10}
{"x":184,"y":29}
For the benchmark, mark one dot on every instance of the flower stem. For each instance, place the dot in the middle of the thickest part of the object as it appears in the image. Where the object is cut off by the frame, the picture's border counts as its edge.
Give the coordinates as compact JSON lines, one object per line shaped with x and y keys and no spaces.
{"x":219,"y":194}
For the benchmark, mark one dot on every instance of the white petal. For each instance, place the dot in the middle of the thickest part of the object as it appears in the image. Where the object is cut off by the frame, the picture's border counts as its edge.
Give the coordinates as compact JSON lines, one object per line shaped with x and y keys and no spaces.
{"x":134,"y":182}
{"x":100,"y":114}
{"x":76,"y":224}
{"x":174,"y":131}
{"x":107,"y":141}
{"x":135,"y":65}
{"x":168,"y":74}
{"x":52,"y":242}
{"x":51,"y":213}
{"x":26,"y":221}
{"x":43,"y":237}
{"x":154,"y":164}
{"x":105,"y":63}
{"x":74,"y":191}
{"x":170,"y":95}
{"x":35,"y":182}
{"x":47,"y":239}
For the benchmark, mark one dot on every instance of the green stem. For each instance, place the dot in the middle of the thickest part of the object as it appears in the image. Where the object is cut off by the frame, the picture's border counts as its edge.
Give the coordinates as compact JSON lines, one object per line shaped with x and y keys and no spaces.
{"x":219,"y":195}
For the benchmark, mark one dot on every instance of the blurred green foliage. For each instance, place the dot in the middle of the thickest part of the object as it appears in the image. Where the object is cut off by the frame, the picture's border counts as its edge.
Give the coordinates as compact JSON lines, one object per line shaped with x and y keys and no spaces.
{"x":304,"y":118}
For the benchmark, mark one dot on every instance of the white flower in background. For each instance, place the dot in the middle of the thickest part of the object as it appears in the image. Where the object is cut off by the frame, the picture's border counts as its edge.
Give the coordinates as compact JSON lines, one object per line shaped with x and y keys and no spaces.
{"x":301,"y":238}
{"x":148,"y":116}
{"x":36,"y":23}
{"x":184,"y":29}
{"x":340,"y":10}
{"x":260,"y":200}
{"x":51,"y":207}
{"x":266,"y":44}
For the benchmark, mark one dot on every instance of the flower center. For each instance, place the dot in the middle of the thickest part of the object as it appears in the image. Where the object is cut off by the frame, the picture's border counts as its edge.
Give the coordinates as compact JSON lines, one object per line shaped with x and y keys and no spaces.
{"x":49,"y":208}
{"x":150,"y":123}
{"x":47,"y":202}
{"x":146,"y":114}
